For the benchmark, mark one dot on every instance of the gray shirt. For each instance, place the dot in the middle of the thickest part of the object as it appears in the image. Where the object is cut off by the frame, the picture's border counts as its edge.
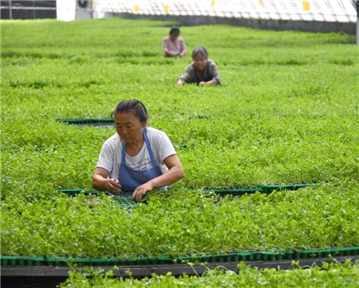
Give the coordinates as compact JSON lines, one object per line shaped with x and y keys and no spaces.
{"x":190,"y":75}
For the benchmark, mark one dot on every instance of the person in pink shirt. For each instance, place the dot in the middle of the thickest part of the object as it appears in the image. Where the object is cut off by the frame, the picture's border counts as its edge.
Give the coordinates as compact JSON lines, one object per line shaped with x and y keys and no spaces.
{"x":173,"y":45}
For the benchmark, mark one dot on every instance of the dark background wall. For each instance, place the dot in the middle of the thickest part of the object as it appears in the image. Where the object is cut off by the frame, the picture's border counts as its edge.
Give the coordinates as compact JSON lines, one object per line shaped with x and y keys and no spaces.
{"x":307,"y":26}
{"x":28,"y":9}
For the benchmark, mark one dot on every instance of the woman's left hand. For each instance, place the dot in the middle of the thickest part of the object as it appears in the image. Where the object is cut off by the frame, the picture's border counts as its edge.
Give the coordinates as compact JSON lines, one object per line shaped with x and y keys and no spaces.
{"x":141,"y":191}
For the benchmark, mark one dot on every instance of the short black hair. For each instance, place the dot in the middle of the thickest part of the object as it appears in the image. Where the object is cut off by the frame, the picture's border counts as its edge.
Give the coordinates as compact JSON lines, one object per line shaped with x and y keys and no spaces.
{"x":134,"y":106}
{"x":175,"y":30}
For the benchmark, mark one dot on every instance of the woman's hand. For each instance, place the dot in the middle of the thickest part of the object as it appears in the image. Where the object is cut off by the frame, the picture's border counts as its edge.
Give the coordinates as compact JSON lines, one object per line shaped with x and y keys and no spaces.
{"x":142,"y":190}
{"x":203,"y":83}
{"x":102,"y":183}
{"x":174,"y":173}
{"x":113,"y":186}
{"x":170,"y":54}
{"x":180,"y":82}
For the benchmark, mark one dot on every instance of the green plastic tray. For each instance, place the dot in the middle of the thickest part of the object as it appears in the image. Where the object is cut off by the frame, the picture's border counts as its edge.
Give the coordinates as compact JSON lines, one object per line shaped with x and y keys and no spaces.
{"x":235,"y":191}
{"x":221,"y":191}
{"x":125,"y":201}
{"x":273,"y":256}
{"x":75,"y":121}
{"x":76,"y":191}
{"x":71,"y":192}
{"x":103,"y":120}
{"x":21,"y":260}
{"x":315,"y":253}
{"x":16,"y":150}
{"x":203,"y":117}
{"x":183,"y":146}
{"x":57,"y":261}
{"x":166,"y":259}
{"x":86,"y":121}
{"x":271,"y":188}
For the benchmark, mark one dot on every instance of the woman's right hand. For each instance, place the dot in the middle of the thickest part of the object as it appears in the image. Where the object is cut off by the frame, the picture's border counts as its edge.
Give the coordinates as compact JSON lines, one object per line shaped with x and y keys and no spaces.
{"x":180,"y":82}
{"x":113,"y":186}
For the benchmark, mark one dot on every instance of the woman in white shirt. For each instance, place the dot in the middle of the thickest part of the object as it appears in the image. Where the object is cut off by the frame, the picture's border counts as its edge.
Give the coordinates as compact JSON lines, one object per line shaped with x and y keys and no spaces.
{"x":136,"y":159}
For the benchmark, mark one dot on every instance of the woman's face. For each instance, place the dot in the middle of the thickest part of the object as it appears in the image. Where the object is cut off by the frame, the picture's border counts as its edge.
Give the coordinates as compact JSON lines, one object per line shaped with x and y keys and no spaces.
{"x":200,"y":62}
{"x":129,"y":127}
{"x":174,"y":37}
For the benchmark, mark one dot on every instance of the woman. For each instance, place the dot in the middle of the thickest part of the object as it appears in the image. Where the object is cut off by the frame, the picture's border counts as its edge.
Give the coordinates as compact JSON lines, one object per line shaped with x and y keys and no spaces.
{"x":201,"y":71}
{"x":137,"y":159}
{"x":173,"y":45}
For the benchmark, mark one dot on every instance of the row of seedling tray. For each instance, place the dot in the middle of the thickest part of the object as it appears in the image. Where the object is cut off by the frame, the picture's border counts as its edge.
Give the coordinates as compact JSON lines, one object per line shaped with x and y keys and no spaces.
{"x":166,"y":259}
{"x":86,"y":121}
{"x":77,"y":121}
{"x":16,"y":149}
{"x":125,"y":201}
{"x":227,"y":191}
{"x":260,"y":188}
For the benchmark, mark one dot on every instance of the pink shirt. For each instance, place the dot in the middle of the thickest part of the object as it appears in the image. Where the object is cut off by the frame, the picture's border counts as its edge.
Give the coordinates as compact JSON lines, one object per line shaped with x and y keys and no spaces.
{"x":177,"y":47}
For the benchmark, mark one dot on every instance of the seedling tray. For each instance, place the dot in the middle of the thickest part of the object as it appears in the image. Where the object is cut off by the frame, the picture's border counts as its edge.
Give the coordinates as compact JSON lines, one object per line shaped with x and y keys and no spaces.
{"x":273,"y":256}
{"x":166,"y":259}
{"x":71,"y":192}
{"x":203,"y":117}
{"x":103,"y":120}
{"x":16,"y":150}
{"x":315,"y":253}
{"x":183,"y":146}
{"x":260,"y":188}
{"x":211,"y":258}
{"x":76,"y":191}
{"x":271,"y":188}
{"x":12,"y":274}
{"x":222,"y":191}
{"x":125,"y":201}
{"x":235,"y":191}
{"x":21,"y":260}
{"x":57,"y":261}
{"x":139,"y":260}
{"x":81,"y":121}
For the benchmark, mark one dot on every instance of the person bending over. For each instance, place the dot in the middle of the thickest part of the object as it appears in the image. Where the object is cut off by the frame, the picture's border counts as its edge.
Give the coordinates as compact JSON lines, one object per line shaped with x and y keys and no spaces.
{"x":173,"y":45}
{"x":137,"y":158}
{"x":201,"y":71}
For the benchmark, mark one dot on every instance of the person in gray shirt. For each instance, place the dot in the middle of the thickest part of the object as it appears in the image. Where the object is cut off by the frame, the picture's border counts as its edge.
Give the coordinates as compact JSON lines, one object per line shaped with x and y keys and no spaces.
{"x":201,"y":71}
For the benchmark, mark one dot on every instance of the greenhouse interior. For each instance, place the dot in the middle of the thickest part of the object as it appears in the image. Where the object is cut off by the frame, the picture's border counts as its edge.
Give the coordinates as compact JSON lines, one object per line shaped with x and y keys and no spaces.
{"x":205,"y":143}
